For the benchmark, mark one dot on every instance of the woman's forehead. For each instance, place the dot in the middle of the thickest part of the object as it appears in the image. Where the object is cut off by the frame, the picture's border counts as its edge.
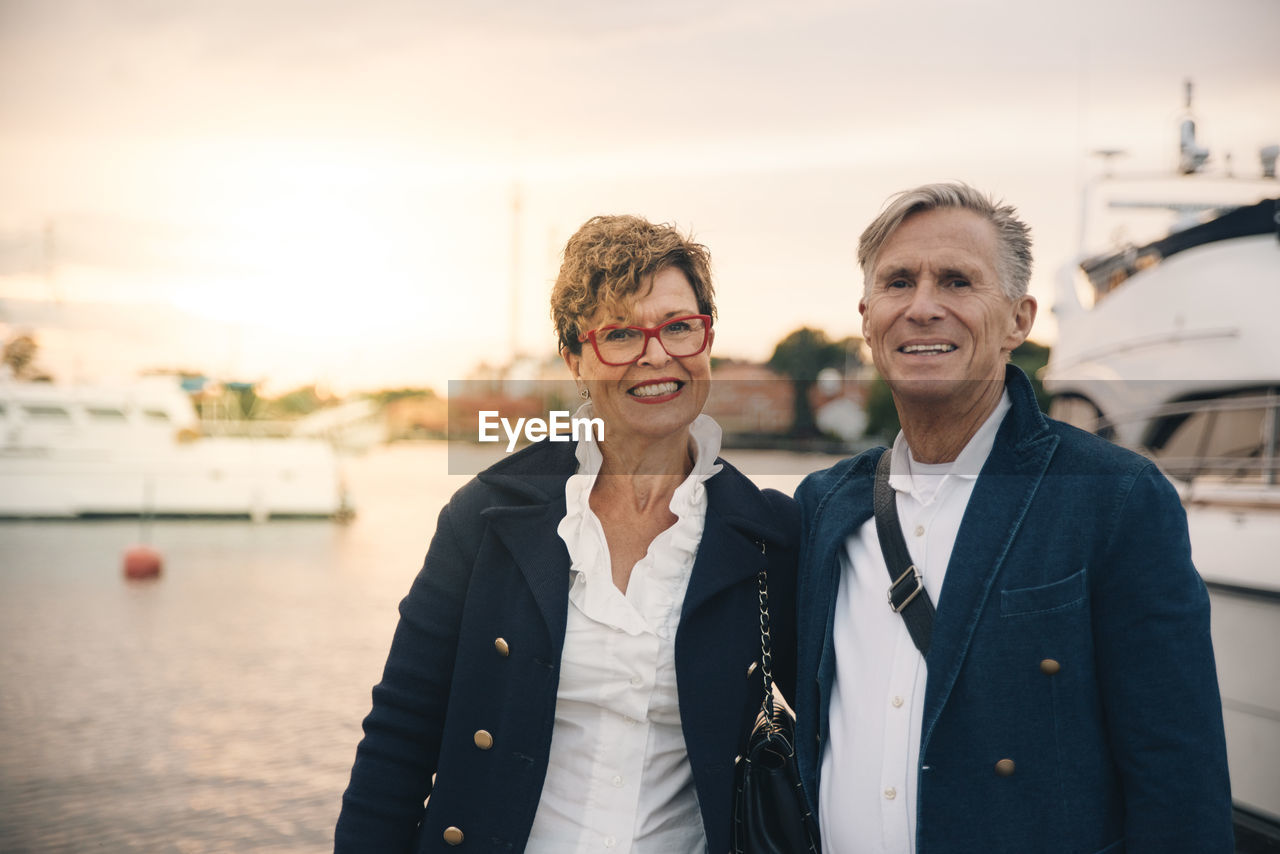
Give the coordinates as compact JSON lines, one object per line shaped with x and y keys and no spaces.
{"x":666,"y":294}
{"x":644,"y":315}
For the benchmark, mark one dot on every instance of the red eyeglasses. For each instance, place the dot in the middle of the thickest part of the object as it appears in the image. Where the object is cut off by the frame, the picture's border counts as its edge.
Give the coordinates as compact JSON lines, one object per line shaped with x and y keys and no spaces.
{"x":622,"y":345}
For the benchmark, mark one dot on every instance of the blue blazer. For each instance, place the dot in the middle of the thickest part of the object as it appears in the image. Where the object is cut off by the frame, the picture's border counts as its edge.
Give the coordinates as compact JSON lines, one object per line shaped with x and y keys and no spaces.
{"x":478,"y":648}
{"x":1073,"y":551}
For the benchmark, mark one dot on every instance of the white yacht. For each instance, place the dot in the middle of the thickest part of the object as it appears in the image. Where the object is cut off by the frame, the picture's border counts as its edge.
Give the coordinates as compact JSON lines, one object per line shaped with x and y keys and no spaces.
{"x":136,"y":449}
{"x":1172,"y":348}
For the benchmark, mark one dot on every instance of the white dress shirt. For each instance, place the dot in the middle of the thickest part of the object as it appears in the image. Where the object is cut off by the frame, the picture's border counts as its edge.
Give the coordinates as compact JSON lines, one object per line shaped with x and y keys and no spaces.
{"x":867,"y":794}
{"x":618,"y":778}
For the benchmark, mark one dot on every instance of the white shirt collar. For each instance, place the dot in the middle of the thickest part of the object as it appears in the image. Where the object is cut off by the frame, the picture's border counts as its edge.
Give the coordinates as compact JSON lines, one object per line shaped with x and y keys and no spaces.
{"x":659,"y":580}
{"x":923,"y":480}
{"x":705,"y":436}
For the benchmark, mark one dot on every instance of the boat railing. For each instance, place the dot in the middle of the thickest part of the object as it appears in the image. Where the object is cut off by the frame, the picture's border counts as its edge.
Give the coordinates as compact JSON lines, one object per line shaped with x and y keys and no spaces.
{"x":1227,"y":439}
{"x":246,"y":428}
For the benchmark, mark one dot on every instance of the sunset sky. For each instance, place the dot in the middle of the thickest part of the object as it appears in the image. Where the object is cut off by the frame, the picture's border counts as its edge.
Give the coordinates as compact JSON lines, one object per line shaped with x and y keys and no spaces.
{"x":313,"y":190}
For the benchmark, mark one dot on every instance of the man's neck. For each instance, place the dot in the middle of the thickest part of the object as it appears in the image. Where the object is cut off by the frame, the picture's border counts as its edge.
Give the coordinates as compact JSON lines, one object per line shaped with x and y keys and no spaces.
{"x":936,"y":432}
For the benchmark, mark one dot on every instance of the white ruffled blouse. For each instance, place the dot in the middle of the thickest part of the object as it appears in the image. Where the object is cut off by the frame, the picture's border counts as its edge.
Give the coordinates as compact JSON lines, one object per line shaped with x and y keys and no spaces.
{"x":619,"y":779}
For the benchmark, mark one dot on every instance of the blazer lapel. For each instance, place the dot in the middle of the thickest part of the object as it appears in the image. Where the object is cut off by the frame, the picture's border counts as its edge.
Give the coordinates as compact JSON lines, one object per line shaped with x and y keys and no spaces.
{"x":841,"y":512}
{"x":529,"y":534}
{"x":738,"y":519}
{"x":1000,"y":499}
{"x":725,"y":557}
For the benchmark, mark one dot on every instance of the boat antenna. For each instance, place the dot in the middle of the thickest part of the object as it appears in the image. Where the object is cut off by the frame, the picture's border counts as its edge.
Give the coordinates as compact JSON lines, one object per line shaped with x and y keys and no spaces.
{"x":1190,"y":156}
{"x":1106,"y":155}
{"x":1268,"y":155}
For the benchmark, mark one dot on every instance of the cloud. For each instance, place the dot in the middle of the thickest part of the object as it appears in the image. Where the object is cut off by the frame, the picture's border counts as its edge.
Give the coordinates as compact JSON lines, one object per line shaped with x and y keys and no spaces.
{"x":244,"y":149}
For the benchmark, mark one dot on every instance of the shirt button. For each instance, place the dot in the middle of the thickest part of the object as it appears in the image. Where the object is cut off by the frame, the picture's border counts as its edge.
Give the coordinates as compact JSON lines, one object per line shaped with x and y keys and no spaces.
{"x":617,"y":782}
{"x":636,"y":680}
{"x":890,"y":793}
{"x":631,"y":721}
{"x":897,"y":702}
{"x":919,"y":530}
{"x":609,"y":842}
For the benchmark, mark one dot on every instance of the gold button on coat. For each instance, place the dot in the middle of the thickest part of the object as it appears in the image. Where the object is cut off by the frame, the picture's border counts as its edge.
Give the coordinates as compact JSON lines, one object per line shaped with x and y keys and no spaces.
{"x":501,"y":646}
{"x":483,"y":739}
{"x":1005,"y":767}
{"x":453,"y":836}
{"x":1049,"y":667}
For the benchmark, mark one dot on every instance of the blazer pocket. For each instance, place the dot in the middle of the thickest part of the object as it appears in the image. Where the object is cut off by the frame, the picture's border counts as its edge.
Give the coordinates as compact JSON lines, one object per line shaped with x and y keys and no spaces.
{"x":1062,"y":595}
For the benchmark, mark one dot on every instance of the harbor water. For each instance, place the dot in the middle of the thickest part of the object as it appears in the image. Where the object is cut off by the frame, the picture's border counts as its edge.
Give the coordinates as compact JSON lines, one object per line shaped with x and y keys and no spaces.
{"x":217,"y":708}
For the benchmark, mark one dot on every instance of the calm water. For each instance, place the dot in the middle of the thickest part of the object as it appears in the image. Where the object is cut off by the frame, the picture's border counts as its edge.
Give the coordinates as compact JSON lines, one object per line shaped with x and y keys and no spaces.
{"x":218,"y":708}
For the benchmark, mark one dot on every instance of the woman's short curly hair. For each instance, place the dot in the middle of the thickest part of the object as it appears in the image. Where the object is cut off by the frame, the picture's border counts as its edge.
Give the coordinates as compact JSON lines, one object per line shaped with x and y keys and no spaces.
{"x":611,"y":260}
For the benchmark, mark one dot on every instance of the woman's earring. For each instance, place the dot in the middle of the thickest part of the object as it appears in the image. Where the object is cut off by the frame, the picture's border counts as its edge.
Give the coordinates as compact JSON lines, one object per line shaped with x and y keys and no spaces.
{"x":584,"y":393}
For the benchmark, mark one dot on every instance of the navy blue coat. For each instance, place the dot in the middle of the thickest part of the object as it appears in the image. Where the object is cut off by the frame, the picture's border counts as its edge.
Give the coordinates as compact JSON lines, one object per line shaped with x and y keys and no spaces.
{"x":497,"y":569}
{"x":1074,"y":550}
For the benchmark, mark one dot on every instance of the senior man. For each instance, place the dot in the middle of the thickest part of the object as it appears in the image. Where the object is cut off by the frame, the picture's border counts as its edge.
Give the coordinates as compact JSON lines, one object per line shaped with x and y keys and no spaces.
{"x":1041,"y":678}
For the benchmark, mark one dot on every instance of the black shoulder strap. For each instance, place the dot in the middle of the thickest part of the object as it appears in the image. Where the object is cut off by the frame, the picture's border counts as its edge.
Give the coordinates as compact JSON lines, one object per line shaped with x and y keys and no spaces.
{"x":907,"y":595}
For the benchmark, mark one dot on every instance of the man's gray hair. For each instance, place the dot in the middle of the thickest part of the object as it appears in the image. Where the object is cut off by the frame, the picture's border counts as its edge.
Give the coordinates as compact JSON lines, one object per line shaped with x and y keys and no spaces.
{"x":1012,"y":234}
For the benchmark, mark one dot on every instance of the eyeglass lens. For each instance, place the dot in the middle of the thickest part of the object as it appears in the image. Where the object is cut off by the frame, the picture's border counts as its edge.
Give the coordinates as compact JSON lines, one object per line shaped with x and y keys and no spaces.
{"x":683,"y":336}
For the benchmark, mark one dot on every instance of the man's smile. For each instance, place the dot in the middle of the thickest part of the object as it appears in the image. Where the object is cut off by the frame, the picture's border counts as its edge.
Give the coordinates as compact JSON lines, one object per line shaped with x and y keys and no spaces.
{"x":927,"y":349}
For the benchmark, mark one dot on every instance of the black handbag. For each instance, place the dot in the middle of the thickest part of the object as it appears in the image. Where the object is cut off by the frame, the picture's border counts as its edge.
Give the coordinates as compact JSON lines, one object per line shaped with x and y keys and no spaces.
{"x":770,"y":812}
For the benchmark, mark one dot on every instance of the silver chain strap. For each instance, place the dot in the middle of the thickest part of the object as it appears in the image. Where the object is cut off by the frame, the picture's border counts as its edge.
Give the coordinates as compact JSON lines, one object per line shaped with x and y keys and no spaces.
{"x":766,"y":644}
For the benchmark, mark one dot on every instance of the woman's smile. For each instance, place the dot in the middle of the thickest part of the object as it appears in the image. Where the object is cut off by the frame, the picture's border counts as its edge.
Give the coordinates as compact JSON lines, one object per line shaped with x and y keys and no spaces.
{"x":656,"y":391}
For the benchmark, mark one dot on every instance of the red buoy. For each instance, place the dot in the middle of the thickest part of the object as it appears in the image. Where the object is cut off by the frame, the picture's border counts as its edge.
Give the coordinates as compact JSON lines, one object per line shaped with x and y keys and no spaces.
{"x":142,"y":562}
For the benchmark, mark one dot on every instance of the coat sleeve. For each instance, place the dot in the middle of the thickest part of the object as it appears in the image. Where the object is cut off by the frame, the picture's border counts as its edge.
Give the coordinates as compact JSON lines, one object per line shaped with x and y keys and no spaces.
{"x":397,"y":757}
{"x":1157,"y":678}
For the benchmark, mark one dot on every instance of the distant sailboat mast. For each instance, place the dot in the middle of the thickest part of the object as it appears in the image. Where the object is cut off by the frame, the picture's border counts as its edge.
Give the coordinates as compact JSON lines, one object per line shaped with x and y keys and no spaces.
{"x":49,"y":253}
{"x":514,"y":298}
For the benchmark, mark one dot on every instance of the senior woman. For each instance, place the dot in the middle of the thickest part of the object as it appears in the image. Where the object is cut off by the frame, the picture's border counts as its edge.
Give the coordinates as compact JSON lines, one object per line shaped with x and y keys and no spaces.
{"x":575,"y":667}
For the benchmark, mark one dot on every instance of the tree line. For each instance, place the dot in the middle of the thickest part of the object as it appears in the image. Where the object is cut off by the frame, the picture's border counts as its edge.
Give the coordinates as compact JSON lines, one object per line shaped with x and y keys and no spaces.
{"x":804,"y":353}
